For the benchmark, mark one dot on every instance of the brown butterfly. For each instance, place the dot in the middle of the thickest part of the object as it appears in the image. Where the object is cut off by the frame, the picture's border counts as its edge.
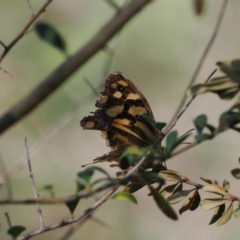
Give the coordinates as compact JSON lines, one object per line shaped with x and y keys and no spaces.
{"x":120,"y":117}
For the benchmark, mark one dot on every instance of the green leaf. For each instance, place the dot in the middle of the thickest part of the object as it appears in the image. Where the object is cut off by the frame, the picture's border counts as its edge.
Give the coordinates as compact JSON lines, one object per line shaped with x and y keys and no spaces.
{"x":236,"y":173}
{"x":152,"y":177}
{"x":160,"y":125}
{"x":218,"y":212}
{"x":210,"y":203}
{"x":72,"y":205}
{"x":202,"y":137}
{"x":131,"y":156}
{"x":171,"y":141}
{"x":126,"y":196}
{"x":232,"y":69}
{"x":226,"y":216}
{"x":84,"y":178}
{"x":98,"y":169}
{"x":228,"y":119}
{"x":162,"y":204}
{"x":211,"y":128}
{"x":200,"y":122}
{"x":15,"y":231}
{"x":49,"y":34}
{"x":49,"y":189}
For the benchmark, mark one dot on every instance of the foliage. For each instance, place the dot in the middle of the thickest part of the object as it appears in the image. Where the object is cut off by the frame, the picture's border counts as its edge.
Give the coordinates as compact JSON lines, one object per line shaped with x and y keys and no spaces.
{"x":141,"y":167}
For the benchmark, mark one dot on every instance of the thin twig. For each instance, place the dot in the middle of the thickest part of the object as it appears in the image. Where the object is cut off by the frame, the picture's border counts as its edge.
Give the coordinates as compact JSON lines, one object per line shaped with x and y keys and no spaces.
{"x":3,"y":45}
{"x":188,"y":103}
{"x":30,"y":7}
{"x":63,"y":121}
{"x":87,"y":212}
{"x":8,"y":184}
{"x":172,"y":123}
{"x":36,"y":196}
{"x":24,"y":30}
{"x":94,"y":90}
{"x":5,"y":71}
{"x":107,"y":67}
{"x":8,"y":219}
{"x":66,"y":69}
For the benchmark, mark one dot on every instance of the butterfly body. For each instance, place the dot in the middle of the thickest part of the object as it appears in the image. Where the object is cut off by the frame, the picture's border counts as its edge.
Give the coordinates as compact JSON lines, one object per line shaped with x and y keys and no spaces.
{"x":120,"y":117}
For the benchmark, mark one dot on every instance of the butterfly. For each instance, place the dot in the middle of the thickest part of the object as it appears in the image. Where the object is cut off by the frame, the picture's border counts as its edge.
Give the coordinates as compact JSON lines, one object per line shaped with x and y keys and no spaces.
{"x":122,"y":116}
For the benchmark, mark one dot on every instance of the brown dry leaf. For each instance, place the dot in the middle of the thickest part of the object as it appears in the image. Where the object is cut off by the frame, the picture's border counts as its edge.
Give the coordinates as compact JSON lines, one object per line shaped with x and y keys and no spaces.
{"x":209,"y":181}
{"x":190,"y":203}
{"x":213,"y":188}
{"x":210,"y":203}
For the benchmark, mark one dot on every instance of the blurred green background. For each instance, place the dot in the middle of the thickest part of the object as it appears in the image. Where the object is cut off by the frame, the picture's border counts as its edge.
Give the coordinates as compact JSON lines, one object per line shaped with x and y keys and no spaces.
{"x":158,"y":50}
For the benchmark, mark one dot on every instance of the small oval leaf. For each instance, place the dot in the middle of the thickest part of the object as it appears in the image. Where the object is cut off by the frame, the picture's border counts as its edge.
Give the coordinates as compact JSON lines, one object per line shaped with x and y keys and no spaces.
{"x":185,"y":206}
{"x":218,"y":212}
{"x":200,"y":122}
{"x":226,"y":185}
{"x":226,"y":216}
{"x":160,"y":125}
{"x":210,"y":181}
{"x":196,"y":199}
{"x":170,"y":175}
{"x":49,"y":34}
{"x":236,"y":213}
{"x":15,"y":231}
{"x":72,"y":205}
{"x":167,"y":191}
{"x":171,"y":140}
{"x":177,"y":197}
{"x":213,"y":188}
{"x":199,"y":6}
{"x":162,"y":204}
{"x":210,"y":203}
{"x":126,"y":196}
{"x":236,"y":173}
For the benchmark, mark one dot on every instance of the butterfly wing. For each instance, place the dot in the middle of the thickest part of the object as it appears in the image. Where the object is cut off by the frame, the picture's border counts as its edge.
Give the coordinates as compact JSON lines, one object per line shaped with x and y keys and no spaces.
{"x":120,"y":117}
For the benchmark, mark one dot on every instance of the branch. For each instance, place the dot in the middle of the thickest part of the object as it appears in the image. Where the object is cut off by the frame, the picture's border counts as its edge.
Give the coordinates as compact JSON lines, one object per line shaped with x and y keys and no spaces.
{"x":36,"y":196}
{"x":87,"y":212}
{"x":7,"y":48}
{"x":66,"y":69}
{"x":199,"y":66}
